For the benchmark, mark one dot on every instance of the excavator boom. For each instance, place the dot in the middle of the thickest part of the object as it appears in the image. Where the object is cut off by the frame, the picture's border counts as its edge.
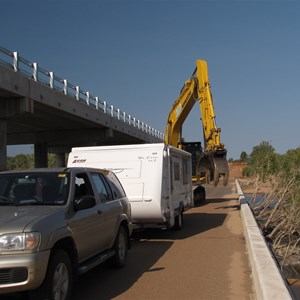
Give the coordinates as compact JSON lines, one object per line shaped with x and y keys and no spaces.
{"x":212,"y":162}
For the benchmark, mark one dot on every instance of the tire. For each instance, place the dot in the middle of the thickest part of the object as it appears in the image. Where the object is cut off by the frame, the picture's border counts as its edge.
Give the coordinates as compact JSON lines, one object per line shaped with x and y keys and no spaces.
{"x":199,"y":195}
{"x":121,"y":248}
{"x":58,"y":281}
{"x":178,"y":221}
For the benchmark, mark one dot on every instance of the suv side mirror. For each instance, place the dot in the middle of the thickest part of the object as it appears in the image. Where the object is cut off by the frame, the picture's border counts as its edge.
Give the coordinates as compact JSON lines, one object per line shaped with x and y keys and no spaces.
{"x":85,"y":202}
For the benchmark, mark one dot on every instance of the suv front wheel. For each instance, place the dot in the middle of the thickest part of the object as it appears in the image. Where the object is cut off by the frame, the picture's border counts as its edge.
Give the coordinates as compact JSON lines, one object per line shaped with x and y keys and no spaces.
{"x":59,"y":279}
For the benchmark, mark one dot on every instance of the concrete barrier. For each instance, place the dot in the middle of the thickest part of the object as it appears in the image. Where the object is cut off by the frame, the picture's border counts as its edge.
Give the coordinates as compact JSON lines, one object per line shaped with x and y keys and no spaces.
{"x":269,"y":283}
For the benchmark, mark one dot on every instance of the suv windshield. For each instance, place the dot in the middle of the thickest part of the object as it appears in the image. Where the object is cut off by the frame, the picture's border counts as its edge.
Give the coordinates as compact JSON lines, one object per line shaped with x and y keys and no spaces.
{"x":34,"y":188}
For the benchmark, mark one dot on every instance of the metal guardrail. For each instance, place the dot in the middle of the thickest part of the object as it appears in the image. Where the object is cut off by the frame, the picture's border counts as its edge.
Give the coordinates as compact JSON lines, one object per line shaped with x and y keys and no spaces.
{"x":33,"y":71}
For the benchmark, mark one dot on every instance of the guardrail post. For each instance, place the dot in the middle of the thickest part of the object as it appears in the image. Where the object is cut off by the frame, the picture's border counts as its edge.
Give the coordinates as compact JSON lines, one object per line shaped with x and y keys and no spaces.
{"x":97,"y":102}
{"x":65,"y":86}
{"x":87,"y":98}
{"x":35,"y":71}
{"x":51,"y":81}
{"x":15,"y":61}
{"x":77,"y":92}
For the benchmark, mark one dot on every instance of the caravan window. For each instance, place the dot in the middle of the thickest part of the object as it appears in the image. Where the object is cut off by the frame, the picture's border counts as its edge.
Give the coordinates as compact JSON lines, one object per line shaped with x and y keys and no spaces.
{"x":176,"y":171}
{"x":185,"y":171}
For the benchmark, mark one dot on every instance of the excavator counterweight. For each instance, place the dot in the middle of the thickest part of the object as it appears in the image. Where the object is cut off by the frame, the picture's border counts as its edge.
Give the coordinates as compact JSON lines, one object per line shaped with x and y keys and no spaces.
{"x":211,"y":162}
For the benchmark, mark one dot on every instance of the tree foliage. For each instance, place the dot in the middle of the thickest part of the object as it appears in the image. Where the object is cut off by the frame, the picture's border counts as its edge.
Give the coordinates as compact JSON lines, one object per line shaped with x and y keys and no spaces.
{"x":244,"y":156}
{"x":26,"y":161}
{"x":263,"y":161}
{"x":20,"y":161}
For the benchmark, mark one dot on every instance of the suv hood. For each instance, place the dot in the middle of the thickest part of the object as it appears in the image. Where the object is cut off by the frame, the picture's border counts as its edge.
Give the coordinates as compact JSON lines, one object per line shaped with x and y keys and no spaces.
{"x":16,"y":218}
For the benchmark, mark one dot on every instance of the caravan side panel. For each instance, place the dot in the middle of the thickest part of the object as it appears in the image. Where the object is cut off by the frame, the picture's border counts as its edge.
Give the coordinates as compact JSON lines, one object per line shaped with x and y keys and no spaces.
{"x":138,"y":167}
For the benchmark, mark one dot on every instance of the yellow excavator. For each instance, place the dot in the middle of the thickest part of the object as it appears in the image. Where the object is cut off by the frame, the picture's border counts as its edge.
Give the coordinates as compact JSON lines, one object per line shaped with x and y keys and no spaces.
{"x":210,"y":163}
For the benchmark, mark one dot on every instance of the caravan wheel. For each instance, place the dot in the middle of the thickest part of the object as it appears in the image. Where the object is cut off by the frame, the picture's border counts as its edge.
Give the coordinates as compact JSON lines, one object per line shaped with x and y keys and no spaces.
{"x":178,"y":221}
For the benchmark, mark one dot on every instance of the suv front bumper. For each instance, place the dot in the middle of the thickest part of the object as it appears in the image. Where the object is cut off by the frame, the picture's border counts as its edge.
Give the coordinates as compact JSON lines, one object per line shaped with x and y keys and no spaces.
{"x":22,"y":272}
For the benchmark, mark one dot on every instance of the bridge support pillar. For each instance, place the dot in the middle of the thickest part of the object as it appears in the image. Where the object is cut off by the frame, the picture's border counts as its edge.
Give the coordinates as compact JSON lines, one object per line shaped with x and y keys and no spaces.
{"x":60,"y":160}
{"x":3,"y":144}
{"x":40,"y":155}
{"x":10,"y":108}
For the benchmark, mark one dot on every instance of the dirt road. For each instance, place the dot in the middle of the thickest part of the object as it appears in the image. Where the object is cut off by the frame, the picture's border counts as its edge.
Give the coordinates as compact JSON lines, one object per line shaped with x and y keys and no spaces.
{"x":207,"y":259}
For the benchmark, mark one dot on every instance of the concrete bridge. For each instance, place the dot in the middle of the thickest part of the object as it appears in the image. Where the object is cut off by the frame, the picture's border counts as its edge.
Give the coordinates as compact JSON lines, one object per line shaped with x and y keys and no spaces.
{"x":37,"y":107}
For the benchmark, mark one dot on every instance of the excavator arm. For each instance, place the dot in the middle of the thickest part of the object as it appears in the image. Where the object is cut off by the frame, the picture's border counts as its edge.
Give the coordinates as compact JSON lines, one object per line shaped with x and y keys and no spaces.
{"x":179,"y":112}
{"x":212,"y":163}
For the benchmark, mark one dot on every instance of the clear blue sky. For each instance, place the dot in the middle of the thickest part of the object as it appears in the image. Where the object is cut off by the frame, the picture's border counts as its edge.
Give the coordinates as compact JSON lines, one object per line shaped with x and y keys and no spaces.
{"x":137,"y":54}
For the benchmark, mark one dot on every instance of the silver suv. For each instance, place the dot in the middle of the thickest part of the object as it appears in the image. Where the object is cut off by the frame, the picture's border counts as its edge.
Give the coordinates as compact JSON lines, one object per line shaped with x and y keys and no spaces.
{"x":56,"y":224}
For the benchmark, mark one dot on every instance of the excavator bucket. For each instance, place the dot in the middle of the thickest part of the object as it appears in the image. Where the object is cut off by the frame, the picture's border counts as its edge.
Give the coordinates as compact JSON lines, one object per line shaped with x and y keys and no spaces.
{"x":213,"y":166}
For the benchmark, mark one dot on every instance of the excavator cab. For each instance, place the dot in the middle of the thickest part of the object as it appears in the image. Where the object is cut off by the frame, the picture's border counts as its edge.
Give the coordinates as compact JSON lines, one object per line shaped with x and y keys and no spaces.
{"x":195,"y":148}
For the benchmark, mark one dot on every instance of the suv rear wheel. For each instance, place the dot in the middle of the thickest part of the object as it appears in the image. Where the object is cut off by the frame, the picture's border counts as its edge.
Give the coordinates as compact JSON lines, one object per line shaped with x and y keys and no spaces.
{"x":120,"y":247}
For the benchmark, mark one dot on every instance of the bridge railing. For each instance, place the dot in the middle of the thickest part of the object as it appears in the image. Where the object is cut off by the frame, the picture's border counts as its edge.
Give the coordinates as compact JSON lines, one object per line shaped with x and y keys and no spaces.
{"x":33,"y":71}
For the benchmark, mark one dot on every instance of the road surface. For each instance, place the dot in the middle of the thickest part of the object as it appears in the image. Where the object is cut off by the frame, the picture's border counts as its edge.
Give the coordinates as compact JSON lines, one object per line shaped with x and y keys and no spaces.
{"x":207,"y":259}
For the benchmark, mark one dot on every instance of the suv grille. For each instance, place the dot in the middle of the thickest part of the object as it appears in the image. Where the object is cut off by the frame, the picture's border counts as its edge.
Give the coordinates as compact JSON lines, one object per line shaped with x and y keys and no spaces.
{"x":13,"y":275}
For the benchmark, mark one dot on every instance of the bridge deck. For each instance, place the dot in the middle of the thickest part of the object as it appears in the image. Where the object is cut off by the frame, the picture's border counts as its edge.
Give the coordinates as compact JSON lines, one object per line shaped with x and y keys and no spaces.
{"x":37,"y":107}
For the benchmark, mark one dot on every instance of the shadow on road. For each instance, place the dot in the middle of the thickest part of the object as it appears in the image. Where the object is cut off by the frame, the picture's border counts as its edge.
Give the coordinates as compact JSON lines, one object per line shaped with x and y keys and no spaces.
{"x":148,"y":246}
{"x":193,"y":224}
{"x":214,"y":201}
{"x":106,"y":283}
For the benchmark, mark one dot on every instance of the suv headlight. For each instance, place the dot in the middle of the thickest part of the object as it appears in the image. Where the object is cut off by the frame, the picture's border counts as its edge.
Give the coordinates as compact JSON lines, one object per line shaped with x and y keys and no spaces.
{"x":28,"y":241}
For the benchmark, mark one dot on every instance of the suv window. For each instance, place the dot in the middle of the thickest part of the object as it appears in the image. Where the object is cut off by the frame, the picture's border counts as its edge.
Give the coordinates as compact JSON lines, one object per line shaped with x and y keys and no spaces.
{"x":102,"y":187}
{"x":116,"y":186}
{"x":34,"y":188}
{"x":82,"y":186}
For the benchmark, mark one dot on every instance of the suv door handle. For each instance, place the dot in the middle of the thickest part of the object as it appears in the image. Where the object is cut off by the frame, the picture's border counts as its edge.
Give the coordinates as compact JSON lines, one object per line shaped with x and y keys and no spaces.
{"x":99,"y":211}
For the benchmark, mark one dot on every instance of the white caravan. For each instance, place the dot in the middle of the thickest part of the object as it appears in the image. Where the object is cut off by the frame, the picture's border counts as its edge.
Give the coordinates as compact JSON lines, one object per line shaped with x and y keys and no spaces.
{"x":157,"y":179}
